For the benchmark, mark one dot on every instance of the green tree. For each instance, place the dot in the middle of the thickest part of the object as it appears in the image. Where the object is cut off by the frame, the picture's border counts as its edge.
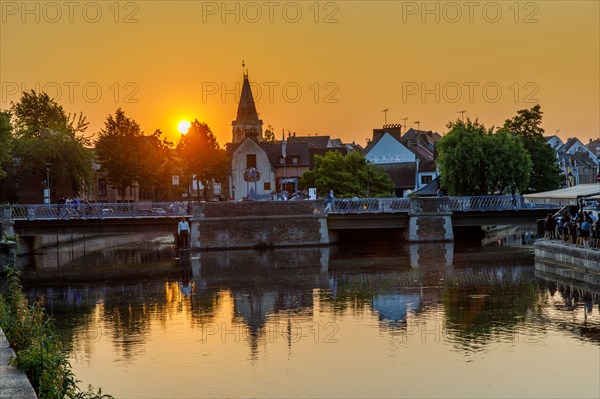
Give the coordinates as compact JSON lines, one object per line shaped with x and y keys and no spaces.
{"x":5,"y":142}
{"x":269,"y":135}
{"x":45,"y":135}
{"x":545,"y":173}
{"x":199,"y":154}
{"x":347,"y":176}
{"x":156,"y":165}
{"x":474,"y":160}
{"x":120,"y":150}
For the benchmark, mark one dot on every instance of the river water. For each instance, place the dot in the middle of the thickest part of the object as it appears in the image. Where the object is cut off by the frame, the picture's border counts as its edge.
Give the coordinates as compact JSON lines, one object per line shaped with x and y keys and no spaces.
{"x":370,"y":320}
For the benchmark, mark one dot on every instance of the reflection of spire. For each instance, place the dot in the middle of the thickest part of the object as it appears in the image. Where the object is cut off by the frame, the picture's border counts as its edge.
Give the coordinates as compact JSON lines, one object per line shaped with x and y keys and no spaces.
{"x":289,"y":335}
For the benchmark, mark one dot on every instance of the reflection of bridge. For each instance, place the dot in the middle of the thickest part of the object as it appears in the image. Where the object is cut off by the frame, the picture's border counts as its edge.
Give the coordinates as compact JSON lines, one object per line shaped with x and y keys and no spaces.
{"x":276,"y":223}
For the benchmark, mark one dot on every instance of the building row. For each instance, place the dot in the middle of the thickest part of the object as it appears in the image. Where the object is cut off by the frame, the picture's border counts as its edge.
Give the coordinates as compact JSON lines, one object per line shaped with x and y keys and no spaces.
{"x":262,"y":168}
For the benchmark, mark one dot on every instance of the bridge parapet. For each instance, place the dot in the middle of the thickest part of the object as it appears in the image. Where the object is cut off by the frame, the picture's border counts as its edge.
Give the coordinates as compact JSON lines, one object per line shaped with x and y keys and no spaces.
{"x":258,"y":224}
{"x":6,"y":223}
{"x":429,"y":220}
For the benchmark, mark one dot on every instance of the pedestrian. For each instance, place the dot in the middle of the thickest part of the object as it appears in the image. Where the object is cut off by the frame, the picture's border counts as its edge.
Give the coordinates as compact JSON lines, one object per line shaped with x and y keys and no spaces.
{"x":329,"y":201}
{"x":550,"y":225}
{"x":183,"y":234}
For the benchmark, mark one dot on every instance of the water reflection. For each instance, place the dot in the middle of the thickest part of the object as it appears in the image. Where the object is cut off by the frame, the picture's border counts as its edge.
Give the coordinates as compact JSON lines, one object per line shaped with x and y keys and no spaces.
{"x":272,"y":319}
{"x":571,"y":297}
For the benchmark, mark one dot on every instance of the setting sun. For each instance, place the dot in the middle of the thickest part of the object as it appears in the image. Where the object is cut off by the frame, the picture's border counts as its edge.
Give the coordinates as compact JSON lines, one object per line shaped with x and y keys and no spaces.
{"x":183,"y":127}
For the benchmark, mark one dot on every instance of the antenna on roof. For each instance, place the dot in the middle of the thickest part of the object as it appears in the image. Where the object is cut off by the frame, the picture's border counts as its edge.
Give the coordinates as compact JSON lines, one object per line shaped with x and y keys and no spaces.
{"x":404,"y":119}
{"x":385,"y":111}
{"x":418,"y":125}
{"x":462,"y":115}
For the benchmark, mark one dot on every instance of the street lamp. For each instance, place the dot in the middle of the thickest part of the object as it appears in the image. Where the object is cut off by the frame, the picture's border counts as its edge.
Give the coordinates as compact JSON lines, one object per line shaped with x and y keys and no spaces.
{"x":47,"y":189}
{"x":368,"y":178}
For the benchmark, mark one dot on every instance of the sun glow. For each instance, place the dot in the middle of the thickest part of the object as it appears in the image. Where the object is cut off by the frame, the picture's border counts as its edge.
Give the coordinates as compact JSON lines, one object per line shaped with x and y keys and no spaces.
{"x":183,"y":127}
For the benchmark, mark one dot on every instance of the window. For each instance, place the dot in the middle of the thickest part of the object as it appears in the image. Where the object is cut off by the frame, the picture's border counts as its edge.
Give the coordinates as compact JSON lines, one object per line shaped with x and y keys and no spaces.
{"x":295,"y":160}
{"x":267,"y":186}
{"x":426,"y":179}
{"x":250,"y":161}
{"x":102,"y":188}
{"x":281,"y":160}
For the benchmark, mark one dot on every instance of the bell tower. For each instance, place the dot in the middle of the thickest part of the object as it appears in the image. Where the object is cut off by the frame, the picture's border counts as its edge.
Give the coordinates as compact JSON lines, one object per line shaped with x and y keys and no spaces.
{"x":247,"y":122}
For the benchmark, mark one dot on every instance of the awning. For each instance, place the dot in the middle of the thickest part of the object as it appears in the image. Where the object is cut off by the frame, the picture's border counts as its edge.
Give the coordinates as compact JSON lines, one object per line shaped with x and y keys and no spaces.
{"x":565,"y":196}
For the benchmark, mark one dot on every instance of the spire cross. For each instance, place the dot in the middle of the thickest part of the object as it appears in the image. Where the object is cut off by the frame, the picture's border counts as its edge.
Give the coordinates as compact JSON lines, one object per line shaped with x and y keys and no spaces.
{"x":244,"y":72}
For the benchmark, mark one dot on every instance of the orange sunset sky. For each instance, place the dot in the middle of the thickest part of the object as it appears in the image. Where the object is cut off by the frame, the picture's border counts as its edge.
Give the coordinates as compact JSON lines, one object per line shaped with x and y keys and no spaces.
{"x":327,"y":67}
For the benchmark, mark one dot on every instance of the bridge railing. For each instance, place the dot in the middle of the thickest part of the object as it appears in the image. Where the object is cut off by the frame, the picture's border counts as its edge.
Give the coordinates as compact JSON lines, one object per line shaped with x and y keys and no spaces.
{"x":98,"y":210}
{"x":492,"y":203}
{"x":454,"y":204}
{"x":370,"y":205}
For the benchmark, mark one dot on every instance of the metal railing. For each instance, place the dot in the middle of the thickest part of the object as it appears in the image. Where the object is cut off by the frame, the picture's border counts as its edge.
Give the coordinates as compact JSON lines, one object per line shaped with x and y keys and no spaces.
{"x":453,"y":204}
{"x":99,"y":211}
{"x":177,"y":209}
{"x":370,"y":205}
{"x":492,"y":203}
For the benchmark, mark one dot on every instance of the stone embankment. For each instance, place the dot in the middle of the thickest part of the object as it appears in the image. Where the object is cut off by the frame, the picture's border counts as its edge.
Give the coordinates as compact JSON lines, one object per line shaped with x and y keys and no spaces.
{"x":13,"y":383}
{"x":556,"y":254}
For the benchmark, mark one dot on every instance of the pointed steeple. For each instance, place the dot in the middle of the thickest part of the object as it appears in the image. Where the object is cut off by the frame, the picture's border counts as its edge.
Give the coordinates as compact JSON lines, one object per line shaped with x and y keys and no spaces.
{"x":247,"y":122}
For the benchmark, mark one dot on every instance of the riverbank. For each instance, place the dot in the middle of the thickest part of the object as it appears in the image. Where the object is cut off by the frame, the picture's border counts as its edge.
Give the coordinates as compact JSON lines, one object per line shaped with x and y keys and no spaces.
{"x":14,"y":383}
{"x":568,"y":260}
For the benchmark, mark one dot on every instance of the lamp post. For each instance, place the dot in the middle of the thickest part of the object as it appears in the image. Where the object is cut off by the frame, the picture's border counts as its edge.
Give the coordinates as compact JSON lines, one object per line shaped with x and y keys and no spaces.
{"x":368,"y":178}
{"x":47,"y":189}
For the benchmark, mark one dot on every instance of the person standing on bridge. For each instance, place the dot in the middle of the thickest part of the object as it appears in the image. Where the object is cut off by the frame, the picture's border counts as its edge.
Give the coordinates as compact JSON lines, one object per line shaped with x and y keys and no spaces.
{"x":183,"y":234}
{"x":329,"y":201}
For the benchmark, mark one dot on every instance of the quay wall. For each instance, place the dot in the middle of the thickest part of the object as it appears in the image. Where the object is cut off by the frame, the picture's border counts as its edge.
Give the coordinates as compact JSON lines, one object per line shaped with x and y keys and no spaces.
{"x":558,"y":254}
{"x":13,"y":383}
{"x":258,"y":224}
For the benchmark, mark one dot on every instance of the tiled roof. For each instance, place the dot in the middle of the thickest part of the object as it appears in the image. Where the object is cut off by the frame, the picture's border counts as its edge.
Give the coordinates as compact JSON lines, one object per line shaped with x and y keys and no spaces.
{"x":312,"y":141}
{"x":402,"y":174}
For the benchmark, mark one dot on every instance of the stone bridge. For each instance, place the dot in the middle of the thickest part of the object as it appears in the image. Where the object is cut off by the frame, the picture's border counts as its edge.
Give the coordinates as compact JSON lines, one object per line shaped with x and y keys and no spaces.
{"x":252,"y":224}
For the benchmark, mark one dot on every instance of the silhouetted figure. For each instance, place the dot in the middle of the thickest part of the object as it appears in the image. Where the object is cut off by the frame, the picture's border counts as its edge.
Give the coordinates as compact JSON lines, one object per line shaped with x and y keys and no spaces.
{"x":183,"y":234}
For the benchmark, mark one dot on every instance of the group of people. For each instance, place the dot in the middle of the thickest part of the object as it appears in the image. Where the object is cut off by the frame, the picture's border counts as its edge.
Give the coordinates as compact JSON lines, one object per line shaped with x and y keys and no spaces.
{"x":581,"y":228}
{"x":71,"y":205}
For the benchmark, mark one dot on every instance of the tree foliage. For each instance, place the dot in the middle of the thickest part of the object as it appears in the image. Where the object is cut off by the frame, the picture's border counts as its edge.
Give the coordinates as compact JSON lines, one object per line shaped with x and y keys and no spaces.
{"x":269,"y":135}
{"x":200,"y":156}
{"x":156,"y":165}
{"x":127,"y":156}
{"x":474,"y":160}
{"x":347,"y":176}
{"x":45,"y":136}
{"x":5,"y":142}
{"x":119,"y":150}
{"x":545,"y":173}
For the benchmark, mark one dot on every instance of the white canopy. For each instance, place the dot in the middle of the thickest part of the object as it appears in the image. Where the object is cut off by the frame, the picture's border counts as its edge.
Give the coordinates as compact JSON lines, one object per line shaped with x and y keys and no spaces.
{"x":564,"y":196}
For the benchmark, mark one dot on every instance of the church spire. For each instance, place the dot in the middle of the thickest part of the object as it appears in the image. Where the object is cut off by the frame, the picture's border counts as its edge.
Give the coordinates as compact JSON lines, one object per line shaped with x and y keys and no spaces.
{"x":247,"y":122}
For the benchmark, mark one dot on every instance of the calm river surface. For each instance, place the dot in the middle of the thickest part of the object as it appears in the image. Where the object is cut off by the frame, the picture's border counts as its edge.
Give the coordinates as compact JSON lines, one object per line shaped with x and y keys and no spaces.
{"x":374,"y":320}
